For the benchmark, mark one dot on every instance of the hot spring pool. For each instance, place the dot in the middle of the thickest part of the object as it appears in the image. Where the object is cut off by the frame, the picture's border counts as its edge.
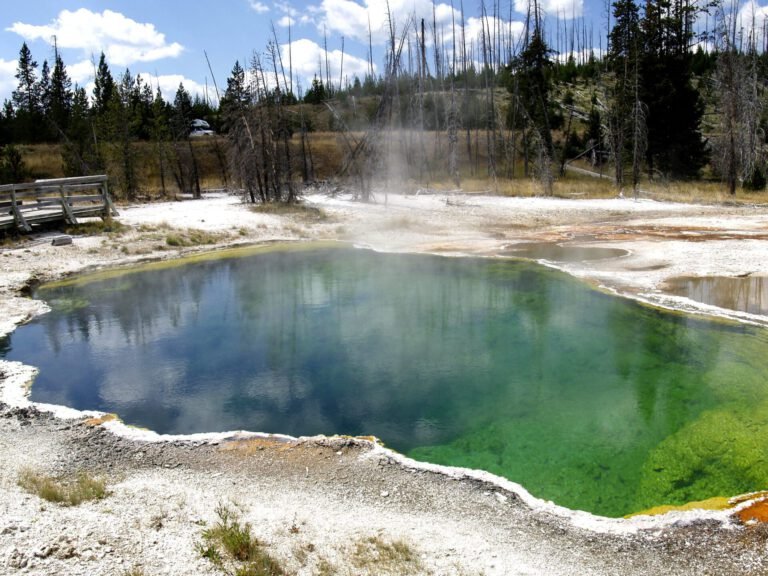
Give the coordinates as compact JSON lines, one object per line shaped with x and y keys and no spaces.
{"x":593,"y":401}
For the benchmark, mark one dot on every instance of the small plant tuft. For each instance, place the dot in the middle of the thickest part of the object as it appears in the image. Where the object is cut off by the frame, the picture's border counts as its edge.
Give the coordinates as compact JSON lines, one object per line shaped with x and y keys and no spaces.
{"x":230,"y":540}
{"x":66,"y":491}
{"x":191,"y":237}
{"x":375,"y":555}
{"x":110,"y":226}
{"x":304,"y":211}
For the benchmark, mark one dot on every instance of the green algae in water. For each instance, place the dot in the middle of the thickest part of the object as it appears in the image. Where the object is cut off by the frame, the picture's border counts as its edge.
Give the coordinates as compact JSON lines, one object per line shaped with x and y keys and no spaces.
{"x":592,"y":401}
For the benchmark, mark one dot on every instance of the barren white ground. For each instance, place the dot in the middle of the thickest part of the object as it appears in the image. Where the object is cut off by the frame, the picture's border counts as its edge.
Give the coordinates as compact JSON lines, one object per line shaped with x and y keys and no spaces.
{"x":314,"y":501}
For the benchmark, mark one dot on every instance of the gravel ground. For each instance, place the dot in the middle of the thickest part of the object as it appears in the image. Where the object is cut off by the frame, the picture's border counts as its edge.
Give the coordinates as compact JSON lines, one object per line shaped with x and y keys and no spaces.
{"x":316,"y":502}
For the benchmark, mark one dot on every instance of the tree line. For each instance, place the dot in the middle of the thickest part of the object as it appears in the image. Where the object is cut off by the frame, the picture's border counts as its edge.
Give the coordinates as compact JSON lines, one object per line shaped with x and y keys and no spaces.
{"x":667,"y":99}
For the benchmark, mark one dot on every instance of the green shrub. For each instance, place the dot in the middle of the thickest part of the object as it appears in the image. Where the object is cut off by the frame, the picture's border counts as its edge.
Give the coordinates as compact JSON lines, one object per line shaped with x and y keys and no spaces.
{"x":231,"y":540}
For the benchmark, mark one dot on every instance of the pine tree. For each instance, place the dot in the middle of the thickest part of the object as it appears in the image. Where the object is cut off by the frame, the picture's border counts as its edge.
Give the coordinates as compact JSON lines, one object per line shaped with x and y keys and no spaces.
{"x":116,"y":124}
{"x":186,"y":169}
{"x":317,"y":93}
{"x":44,"y":88}
{"x":182,"y":114}
{"x":159,"y":133}
{"x":236,"y":98}
{"x":27,"y":99}
{"x":79,"y":151}
{"x":103,"y":88}
{"x":623,"y":103}
{"x":59,"y":98}
{"x":675,"y":107}
{"x":6,"y":123}
{"x":531,"y":85}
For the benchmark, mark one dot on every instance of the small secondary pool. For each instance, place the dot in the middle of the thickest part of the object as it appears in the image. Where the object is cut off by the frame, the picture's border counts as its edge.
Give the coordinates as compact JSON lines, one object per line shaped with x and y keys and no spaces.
{"x":556,"y":252}
{"x":593,"y":401}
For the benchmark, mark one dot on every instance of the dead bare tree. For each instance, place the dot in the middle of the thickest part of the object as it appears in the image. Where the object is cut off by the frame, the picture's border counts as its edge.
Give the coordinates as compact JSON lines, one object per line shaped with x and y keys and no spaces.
{"x":737,"y":152}
{"x":260,"y":135}
{"x":367,"y":156}
{"x":639,"y":134}
{"x":453,"y":117}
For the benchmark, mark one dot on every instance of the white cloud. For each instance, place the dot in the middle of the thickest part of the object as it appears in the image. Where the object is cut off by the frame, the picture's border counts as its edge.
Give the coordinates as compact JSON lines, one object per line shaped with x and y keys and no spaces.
{"x":169,"y":84}
{"x":307,"y":15}
{"x":474,"y":30}
{"x":565,"y":9}
{"x":308,"y":57}
{"x":351,"y":19}
{"x":286,"y":21}
{"x":81,"y":72}
{"x":258,"y":7}
{"x":750,"y":22}
{"x":123,"y":40}
{"x":287,"y":9}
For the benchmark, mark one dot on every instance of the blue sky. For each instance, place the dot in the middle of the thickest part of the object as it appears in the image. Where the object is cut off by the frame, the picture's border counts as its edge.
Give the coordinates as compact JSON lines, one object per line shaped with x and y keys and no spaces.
{"x":165,"y":40}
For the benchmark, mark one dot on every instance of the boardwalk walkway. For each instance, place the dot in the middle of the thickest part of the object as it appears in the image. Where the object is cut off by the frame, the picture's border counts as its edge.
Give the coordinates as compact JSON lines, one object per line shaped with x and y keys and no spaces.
{"x":61,"y":199}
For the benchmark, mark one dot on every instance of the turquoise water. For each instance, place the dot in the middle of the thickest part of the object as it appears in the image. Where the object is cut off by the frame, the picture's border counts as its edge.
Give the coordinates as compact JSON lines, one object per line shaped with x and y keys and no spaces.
{"x":593,"y":401}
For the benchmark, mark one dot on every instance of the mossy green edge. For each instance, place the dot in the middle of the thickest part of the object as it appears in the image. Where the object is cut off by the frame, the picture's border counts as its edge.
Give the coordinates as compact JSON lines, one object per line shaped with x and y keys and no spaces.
{"x":238,"y":252}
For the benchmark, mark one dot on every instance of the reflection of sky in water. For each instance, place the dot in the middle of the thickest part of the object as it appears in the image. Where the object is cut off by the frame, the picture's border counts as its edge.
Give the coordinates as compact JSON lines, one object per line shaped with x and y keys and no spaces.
{"x":503,"y":365}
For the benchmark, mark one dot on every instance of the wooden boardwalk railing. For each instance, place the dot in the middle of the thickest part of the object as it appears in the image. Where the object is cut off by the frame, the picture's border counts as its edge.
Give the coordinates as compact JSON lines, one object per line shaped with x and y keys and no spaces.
{"x":23,"y":205}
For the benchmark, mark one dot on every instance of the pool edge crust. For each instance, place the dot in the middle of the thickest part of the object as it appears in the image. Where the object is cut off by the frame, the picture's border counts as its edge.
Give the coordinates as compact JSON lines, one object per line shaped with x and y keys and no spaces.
{"x":245,"y":442}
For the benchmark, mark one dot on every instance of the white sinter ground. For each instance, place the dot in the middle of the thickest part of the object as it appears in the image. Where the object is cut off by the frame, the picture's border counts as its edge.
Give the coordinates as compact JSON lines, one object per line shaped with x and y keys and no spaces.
{"x":315,"y":502}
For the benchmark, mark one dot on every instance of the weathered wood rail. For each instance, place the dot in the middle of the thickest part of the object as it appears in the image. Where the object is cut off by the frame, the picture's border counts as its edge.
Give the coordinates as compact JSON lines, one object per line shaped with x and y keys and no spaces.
{"x":66,"y":199}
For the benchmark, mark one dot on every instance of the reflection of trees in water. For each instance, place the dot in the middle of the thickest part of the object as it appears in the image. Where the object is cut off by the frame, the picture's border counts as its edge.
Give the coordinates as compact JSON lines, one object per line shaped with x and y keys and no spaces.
{"x":741,"y":294}
{"x":137,"y":302}
{"x":5,"y":345}
{"x":664,"y":358}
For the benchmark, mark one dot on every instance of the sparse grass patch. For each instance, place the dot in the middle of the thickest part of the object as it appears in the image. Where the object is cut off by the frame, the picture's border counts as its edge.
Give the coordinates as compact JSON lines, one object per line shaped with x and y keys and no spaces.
{"x":154,"y":227}
{"x":229,"y":542}
{"x":65,"y":491}
{"x":307,"y":213}
{"x":9,"y":238}
{"x":375,"y":555}
{"x":191,"y":237}
{"x":325,"y":568}
{"x":708,"y":192}
{"x":109,"y":226}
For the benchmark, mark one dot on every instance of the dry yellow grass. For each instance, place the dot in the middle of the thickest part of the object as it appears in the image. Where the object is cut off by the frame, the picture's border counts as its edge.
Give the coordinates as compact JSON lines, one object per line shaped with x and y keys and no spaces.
{"x":66,"y":491}
{"x":421,"y":162}
{"x":42,"y":161}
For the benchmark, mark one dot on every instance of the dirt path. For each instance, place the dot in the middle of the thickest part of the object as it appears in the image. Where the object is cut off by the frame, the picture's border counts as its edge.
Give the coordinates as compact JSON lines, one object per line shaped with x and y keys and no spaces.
{"x":335,"y":506}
